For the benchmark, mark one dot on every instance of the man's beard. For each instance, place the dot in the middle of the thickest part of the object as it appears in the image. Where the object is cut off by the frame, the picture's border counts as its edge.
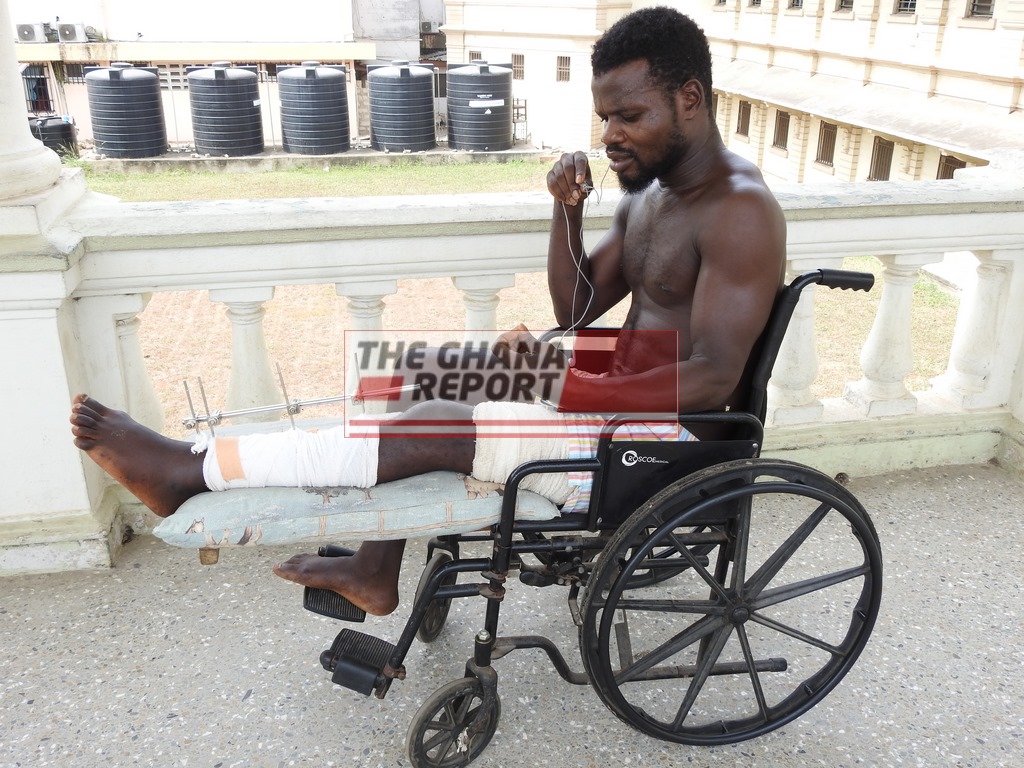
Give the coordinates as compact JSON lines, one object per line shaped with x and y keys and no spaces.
{"x":644,"y":174}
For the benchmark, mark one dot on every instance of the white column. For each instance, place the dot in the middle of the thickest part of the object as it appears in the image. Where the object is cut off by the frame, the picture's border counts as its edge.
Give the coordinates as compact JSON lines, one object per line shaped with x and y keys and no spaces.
{"x":115,"y":371}
{"x":789,"y":392}
{"x":988,"y":334}
{"x":26,"y":166}
{"x":253,"y":382}
{"x":480,"y":297}
{"x":366,"y":308}
{"x":887,"y":357}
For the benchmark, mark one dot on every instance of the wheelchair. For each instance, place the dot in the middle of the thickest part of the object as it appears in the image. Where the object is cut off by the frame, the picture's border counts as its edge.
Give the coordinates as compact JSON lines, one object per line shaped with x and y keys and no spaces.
{"x":718,"y":595}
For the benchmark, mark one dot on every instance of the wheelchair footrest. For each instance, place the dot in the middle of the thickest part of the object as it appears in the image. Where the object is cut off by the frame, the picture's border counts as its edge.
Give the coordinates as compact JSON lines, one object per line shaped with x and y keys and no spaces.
{"x":357,"y":660}
{"x":329,"y":603}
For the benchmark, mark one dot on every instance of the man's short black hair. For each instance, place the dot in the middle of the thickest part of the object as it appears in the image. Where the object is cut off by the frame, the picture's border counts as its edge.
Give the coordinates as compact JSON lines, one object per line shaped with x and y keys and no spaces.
{"x":671,"y":43}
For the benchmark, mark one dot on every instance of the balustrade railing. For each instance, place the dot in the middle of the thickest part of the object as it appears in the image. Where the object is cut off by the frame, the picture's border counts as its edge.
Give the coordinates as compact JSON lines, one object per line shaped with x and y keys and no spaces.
{"x":114,"y":256}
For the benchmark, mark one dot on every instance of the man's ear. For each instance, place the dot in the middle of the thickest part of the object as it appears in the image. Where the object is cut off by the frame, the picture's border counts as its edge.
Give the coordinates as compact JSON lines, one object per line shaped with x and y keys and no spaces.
{"x":690,"y":99}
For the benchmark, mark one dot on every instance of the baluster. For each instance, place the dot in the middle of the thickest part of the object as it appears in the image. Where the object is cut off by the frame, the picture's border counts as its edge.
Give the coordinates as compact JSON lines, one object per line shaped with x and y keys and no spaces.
{"x":887,"y":357}
{"x":253,"y":382}
{"x":115,"y":371}
{"x":480,"y":297}
{"x":988,"y":333}
{"x":366,"y":308}
{"x":789,"y":392}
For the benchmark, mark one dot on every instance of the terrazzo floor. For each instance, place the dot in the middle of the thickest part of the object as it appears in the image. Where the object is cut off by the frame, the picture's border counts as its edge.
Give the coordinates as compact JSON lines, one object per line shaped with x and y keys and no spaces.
{"x":161,"y":662}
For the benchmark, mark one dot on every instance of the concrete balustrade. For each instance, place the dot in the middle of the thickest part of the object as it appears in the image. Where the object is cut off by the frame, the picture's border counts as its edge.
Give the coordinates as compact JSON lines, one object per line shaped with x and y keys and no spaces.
{"x":77,"y":269}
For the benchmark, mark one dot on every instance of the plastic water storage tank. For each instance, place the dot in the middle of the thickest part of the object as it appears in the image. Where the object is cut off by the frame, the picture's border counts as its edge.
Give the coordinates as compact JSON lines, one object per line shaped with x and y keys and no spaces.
{"x":402,"y":107}
{"x":480,"y":107}
{"x":56,"y":133}
{"x":226,"y":117}
{"x":314,"y":109}
{"x":126,"y":111}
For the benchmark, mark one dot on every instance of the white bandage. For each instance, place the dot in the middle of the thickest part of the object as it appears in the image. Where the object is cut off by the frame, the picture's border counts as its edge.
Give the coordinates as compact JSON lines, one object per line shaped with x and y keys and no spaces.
{"x":509,"y":434}
{"x":292,"y":459}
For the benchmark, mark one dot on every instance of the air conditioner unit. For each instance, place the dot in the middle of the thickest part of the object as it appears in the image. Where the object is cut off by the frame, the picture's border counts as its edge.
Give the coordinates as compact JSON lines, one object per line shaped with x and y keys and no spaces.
{"x":429,"y":27}
{"x":31,"y":33}
{"x":72,"y":33}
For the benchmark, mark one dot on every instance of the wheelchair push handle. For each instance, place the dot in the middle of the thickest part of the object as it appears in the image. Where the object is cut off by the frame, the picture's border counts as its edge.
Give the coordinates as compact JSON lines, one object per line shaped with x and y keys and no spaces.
{"x":847,"y":280}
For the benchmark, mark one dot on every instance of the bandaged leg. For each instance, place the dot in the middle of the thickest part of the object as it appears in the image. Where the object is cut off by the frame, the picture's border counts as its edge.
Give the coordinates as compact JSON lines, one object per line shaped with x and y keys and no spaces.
{"x":509,"y":434}
{"x":292,"y":459}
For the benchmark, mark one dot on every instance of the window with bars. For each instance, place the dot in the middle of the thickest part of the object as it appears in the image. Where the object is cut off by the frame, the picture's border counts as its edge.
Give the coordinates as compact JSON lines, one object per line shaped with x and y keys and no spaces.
{"x":755,"y":3}
{"x":173,"y":77}
{"x":844,"y":5}
{"x":714,"y":105}
{"x":562,"y":70}
{"x":947,"y":165}
{"x":906,"y":6}
{"x":826,"y":154}
{"x":475,"y":56}
{"x":781,"y":139}
{"x":981,"y":8}
{"x":37,"y":88}
{"x":796,"y":3}
{"x":518,"y":66}
{"x":74,"y":73}
{"x":743,"y":119}
{"x":881,"y":159}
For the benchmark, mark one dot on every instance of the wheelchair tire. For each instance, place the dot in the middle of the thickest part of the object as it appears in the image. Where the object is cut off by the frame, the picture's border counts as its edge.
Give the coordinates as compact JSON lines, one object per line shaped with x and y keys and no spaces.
{"x":437,"y":612}
{"x":453,"y":726}
{"x":720,"y":655}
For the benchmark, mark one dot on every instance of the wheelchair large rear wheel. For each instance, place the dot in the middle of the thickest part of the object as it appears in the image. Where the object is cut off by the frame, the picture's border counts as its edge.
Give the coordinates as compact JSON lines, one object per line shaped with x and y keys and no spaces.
{"x":749,"y":639}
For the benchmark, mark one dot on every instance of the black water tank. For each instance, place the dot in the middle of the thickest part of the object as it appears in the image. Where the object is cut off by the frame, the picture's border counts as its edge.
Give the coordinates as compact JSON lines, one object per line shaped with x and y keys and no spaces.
{"x":226,"y":117}
{"x":480,"y":107}
{"x":56,"y":133}
{"x":126,"y":111}
{"x":402,"y":107}
{"x":314,"y":109}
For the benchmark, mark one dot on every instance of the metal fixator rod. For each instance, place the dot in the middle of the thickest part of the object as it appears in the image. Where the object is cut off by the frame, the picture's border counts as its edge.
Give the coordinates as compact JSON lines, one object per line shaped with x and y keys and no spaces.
{"x":292,"y":407}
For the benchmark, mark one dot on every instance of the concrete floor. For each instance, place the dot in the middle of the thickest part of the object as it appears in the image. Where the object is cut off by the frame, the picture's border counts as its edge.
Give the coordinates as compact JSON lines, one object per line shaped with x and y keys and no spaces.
{"x":161,"y":662}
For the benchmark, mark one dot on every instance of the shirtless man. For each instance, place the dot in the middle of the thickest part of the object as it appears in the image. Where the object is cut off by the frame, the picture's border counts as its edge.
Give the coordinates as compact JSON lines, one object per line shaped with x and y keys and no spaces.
{"x":697,"y":244}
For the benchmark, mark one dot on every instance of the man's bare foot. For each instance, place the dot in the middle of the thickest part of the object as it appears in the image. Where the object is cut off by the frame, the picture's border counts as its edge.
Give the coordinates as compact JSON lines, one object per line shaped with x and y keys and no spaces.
{"x":364,"y":584}
{"x":161,"y":472}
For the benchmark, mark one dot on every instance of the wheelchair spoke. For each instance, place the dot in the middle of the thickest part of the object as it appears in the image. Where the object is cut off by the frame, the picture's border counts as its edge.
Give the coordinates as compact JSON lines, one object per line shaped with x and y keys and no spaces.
{"x":695,"y":632}
{"x":770,"y":568}
{"x":705,"y":607}
{"x":796,"y":634}
{"x":705,"y":662}
{"x":755,"y":678}
{"x":807,"y":586}
{"x":698,"y":568}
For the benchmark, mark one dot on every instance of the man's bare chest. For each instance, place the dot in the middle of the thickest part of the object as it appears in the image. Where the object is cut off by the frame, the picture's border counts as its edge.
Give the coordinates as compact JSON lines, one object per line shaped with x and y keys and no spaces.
{"x":660,"y":257}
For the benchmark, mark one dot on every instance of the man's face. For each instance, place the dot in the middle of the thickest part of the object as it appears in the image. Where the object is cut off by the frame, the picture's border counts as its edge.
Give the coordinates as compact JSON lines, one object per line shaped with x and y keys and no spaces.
{"x":642,"y":134}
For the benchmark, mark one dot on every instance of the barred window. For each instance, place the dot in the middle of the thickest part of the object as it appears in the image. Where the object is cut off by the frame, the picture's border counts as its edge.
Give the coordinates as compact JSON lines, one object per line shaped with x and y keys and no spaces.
{"x":518,"y":66}
{"x":781,"y":139}
{"x":947,"y":165}
{"x":844,"y":5}
{"x":796,"y":3}
{"x":755,"y":3}
{"x":714,"y":105}
{"x":906,"y":6}
{"x":74,"y":73}
{"x":475,"y":56}
{"x":37,"y":88}
{"x":981,"y":8}
{"x":743,"y":121}
{"x":826,"y":154}
{"x":881,"y":159}
{"x":173,"y":77}
{"x":562,"y":70}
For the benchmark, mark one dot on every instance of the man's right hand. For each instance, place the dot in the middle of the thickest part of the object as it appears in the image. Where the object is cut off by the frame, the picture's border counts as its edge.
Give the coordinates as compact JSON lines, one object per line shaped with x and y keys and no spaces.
{"x":570,"y":180}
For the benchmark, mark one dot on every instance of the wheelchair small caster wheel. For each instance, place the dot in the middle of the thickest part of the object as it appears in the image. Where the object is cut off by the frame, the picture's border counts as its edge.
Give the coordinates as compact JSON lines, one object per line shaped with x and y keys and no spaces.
{"x":453,"y":726}
{"x":437,"y":611}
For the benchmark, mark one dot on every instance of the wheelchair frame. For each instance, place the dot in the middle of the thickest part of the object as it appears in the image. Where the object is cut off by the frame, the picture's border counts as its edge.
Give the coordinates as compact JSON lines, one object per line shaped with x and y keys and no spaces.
{"x":677,"y":574}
